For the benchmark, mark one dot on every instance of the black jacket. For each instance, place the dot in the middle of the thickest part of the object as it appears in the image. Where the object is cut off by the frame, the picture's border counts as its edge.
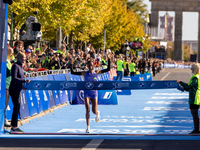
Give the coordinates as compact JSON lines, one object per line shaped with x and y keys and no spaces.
{"x":17,"y":74}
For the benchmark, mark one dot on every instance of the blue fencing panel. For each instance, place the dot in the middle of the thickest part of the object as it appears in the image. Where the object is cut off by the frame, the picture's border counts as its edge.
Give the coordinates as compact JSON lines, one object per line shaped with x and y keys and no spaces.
{"x":45,"y":98}
{"x":124,"y":92}
{"x":55,"y":92}
{"x":62,"y":96}
{"x":76,"y":96}
{"x":42,"y":97}
{"x":106,"y":97}
{"x":31,"y":101}
{"x":148,"y":77}
{"x":51,"y":96}
{"x":24,"y":112}
{"x":37,"y":96}
{"x":65,"y":92}
{"x":9,"y":110}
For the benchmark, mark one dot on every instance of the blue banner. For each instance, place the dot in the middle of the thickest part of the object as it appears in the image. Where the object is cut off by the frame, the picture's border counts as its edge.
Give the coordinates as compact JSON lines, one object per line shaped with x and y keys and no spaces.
{"x":100,"y":85}
{"x":50,"y":93}
{"x":76,"y":96}
{"x":55,"y":92}
{"x":24,"y":112}
{"x":106,"y":97}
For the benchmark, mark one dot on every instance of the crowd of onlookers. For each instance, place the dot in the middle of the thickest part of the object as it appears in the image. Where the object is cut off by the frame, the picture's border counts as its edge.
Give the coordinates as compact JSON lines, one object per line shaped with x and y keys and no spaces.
{"x":45,"y":58}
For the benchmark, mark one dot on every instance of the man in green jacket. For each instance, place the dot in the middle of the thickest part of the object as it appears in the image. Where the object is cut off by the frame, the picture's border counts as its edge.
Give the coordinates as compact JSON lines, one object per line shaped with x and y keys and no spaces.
{"x":194,"y":95}
{"x":8,"y":81}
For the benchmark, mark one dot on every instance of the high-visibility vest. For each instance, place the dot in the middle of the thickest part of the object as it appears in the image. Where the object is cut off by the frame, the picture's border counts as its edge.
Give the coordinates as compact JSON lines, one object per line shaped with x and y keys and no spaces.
{"x":120,"y":65}
{"x":197,"y":96}
{"x":132,"y":67}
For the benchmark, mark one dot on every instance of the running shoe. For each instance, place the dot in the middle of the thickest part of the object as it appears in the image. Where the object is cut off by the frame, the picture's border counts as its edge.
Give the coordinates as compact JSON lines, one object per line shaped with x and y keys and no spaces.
{"x":97,"y":116}
{"x":88,"y":130}
{"x":16,"y":130}
{"x":195,"y":132}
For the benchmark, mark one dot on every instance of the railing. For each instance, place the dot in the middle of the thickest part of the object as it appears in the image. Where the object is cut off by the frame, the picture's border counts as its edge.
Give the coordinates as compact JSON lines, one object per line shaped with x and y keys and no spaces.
{"x":47,"y":72}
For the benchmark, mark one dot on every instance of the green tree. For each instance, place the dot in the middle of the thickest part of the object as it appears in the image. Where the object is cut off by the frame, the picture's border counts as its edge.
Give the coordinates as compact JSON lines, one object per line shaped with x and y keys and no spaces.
{"x":138,"y":7}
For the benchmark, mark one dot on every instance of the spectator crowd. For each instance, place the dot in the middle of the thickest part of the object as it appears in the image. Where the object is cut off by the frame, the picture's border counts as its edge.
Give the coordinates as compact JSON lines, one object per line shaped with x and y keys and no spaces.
{"x":45,"y":59}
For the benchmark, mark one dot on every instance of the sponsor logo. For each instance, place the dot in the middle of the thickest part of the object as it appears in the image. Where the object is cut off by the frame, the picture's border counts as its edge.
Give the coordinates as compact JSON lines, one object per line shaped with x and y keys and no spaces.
{"x":107,"y":95}
{"x":37,"y":85}
{"x":141,"y":78}
{"x":89,"y":85}
{"x":170,"y":84}
{"x":126,"y":79}
{"x":152,"y":84}
{"x":81,"y":95}
{"x":100,"y":85}
{"x":47,"y":85}
{"x":141,"y":85}
{"x":118,"y":85}
{"x":148,"y":77}
{"x":66,"y":85}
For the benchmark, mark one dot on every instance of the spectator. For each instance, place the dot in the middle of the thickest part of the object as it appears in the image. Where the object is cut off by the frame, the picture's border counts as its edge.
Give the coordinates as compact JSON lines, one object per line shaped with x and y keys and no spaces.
{"x":15,"y":88}
{"x":8,"y":81}
{"x":18,"y":46}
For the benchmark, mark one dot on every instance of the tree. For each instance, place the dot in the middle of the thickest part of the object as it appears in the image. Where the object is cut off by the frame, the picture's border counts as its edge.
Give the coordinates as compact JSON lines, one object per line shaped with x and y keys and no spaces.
{"x":186,"y":52}
{"x":84,"y":20}
{"x":138,"y":7}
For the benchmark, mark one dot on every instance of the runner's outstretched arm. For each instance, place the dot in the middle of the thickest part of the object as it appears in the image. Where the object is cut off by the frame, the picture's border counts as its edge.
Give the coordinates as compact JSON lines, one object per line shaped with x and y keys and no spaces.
{"x":76,"y":73}
{"x":105,"y":70}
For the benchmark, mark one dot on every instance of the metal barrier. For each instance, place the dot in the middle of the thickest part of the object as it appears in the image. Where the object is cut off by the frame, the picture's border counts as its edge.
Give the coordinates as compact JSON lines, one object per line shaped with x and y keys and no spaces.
{"x":47,"y":72}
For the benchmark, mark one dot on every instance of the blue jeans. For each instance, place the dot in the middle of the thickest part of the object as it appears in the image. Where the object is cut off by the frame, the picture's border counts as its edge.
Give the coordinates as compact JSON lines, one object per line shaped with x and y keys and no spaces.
{"x":120,"y":75}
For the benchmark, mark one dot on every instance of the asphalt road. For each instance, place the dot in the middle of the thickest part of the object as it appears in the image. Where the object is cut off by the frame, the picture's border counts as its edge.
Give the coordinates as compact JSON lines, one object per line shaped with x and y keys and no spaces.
{"x":105,"y":144}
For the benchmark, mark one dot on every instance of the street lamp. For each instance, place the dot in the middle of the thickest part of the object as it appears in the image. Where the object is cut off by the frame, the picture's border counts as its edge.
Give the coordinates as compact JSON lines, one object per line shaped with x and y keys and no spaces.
{"x":126,"y":48}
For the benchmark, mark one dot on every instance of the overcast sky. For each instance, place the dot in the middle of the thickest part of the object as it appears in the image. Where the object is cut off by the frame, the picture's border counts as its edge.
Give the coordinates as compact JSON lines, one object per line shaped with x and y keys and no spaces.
{"x":190,"y":23}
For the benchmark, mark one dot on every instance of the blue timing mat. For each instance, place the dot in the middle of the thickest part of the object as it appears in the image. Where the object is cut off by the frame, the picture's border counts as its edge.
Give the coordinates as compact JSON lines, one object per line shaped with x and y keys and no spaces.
{"x":100,"y":85}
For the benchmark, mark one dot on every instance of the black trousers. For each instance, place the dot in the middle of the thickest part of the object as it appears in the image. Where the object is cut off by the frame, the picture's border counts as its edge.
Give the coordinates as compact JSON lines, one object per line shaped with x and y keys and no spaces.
{"x":132,"y":74}
{"x":6,"y":103}
{"x":16,"y":99}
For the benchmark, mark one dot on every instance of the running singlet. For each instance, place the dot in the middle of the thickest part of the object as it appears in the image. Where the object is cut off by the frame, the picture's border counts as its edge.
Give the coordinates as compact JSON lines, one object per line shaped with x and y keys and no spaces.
{"x":90,"y":77}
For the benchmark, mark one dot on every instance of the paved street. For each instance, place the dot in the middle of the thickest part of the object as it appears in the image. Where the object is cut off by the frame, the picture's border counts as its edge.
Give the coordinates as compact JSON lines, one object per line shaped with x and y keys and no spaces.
{"x":147,"y":120}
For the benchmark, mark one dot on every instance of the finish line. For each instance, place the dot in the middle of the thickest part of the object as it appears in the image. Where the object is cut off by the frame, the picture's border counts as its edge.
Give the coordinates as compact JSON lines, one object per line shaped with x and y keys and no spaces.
{"x":100,"y":85}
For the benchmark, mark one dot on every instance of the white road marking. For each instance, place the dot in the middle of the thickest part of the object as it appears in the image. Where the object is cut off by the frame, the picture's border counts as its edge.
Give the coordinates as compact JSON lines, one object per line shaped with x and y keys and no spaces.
{"x":171,"y":94}
{"x":163,"y":78}
{"x":164,"y":102}
{"x":169,"y":98}
{"x":92,"y":145}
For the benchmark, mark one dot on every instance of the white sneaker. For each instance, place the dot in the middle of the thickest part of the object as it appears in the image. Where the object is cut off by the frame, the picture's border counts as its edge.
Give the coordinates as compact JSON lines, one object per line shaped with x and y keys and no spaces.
{"x":88,"y":130}
{"x":97,"y":116}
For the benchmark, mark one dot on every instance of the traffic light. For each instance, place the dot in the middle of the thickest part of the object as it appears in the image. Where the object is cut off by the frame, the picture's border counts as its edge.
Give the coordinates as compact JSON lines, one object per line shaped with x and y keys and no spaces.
{"x":8,"y":1}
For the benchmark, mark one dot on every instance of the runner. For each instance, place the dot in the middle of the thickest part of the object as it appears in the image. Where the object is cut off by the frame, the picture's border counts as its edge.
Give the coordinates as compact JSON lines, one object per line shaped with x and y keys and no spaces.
{"x":91,"y":95}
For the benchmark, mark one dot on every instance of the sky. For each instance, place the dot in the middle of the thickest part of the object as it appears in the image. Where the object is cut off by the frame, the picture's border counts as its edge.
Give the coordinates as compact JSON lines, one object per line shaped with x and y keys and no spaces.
{"x":190,"y":23}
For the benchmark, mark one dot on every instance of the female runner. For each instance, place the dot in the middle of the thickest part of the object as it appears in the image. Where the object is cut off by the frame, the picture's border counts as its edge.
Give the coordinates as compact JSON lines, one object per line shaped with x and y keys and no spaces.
{"x":91,"y":95}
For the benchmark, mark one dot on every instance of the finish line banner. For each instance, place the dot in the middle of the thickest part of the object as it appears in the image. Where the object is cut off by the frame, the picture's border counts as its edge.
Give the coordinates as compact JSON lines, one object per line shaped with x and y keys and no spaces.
{"x":100,"y":85}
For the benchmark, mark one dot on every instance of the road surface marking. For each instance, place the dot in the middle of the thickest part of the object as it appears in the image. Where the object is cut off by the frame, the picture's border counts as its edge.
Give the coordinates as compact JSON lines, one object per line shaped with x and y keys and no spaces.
{"x":92,"y":145}
{"x":165,"y":76}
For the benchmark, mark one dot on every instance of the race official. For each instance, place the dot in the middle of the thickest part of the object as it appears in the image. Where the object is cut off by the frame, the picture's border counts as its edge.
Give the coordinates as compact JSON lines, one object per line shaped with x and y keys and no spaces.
{"x":15,"y":88}
{"x":194,"y":95}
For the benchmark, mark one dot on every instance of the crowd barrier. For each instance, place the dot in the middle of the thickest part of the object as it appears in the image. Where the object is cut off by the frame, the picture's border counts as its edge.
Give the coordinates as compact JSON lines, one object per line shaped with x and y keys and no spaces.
{"x":140,"y":77}
{"x":36,"y":101}
{"x":168,"y":65}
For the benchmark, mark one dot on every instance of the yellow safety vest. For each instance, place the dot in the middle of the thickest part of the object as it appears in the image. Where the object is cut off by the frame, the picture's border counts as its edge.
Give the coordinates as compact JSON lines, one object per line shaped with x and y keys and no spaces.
{"x":120,"y":64}
{"x":132,"y":67}
{"x":197,"y":96}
